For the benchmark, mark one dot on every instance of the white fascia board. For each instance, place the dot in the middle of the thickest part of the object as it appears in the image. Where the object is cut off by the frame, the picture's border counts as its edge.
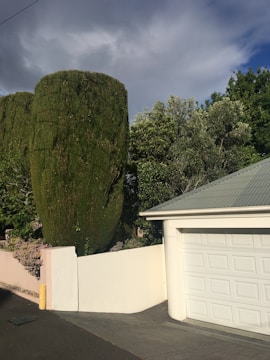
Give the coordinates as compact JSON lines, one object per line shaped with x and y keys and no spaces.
{"x":170,"y":214}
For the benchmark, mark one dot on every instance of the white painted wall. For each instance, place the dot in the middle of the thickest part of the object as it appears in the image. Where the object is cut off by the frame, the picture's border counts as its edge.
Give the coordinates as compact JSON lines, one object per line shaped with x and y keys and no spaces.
{"x":126,"y":281}
{"x":59,"y":274}
{"x":15,"y":276}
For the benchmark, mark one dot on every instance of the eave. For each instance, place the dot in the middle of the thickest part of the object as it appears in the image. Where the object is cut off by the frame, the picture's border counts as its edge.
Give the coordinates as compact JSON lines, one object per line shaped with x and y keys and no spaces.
{"x":170,"y":214}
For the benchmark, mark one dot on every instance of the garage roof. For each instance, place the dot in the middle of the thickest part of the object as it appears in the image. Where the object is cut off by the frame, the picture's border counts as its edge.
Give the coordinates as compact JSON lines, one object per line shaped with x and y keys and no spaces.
{"x":248,"y":187}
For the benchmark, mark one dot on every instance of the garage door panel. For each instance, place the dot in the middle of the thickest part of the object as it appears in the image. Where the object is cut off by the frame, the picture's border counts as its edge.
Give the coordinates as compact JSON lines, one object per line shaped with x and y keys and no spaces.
{"x":266,"y":323}
{"x":266,"y":265}
{"x":242,"y":241}
{"x":196,"y":284}
{"x":194,"y":261}
{"x":214,"y":241}
{"x":248,"y":318}
{"x":244,"y":264}
{"x":227,"y":279}
{"x":226,"y":289}
{"x":218,"y":262}
{"x":265,"y":244}
{"x":226,"y":262}
{"x":247,"y":290}
{"x":198,"y":309}
{"x":220,"y":287}
{"x":266,"y":294}
{"x":222,"y":313}
{"x":264,"y":241}
{"x":193,"y":241}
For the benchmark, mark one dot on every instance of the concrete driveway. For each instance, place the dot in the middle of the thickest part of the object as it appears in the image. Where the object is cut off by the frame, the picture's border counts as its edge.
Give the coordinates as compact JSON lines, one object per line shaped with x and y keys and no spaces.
{"x":150,"y":335}
{"x":27,"y":333}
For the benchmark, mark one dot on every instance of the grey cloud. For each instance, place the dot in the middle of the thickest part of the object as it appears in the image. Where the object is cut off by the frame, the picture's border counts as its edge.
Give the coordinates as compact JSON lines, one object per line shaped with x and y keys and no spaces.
{"x":156,"y":48}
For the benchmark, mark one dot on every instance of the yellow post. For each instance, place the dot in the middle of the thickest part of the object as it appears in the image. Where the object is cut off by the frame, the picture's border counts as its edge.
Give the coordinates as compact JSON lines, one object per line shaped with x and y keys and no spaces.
{"x":42,"y":297}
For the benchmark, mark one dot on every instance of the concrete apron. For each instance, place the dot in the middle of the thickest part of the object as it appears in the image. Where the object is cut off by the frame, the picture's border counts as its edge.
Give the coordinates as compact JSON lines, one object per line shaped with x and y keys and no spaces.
{"x":153,"y":335}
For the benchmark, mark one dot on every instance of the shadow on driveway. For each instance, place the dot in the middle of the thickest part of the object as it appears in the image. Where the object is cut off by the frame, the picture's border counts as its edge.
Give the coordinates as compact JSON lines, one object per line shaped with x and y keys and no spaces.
{"x":153,"y":335}
{"x":149,"y":335}
{"x":47,"y":336}
{"x":5,"y":295}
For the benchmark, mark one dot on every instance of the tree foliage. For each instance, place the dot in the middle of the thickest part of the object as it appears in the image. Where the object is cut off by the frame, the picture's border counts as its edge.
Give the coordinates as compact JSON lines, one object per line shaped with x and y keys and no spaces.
{"x":176,"y":147}
{"x":78,"y":157}
{"x":253,"y":90}
{"x":226,"y":125}
{"x":15,"y":120}
{"x":17,"y":208}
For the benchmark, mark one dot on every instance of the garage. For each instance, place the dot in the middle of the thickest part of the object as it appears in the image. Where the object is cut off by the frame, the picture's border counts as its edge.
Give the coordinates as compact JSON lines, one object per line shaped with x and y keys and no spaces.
{"x":217,"y":251}
{"x":227,"y":277}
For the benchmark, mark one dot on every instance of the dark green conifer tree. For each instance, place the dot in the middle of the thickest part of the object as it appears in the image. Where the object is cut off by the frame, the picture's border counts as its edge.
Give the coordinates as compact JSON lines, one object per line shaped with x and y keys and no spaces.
{"x":78,"y":157}
{"x":17,"y":208}
{"x":15,"y":123}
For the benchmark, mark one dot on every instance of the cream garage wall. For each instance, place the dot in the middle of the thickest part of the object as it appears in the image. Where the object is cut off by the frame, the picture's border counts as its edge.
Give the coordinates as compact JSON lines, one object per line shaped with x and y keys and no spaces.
{"x":219,"y":275}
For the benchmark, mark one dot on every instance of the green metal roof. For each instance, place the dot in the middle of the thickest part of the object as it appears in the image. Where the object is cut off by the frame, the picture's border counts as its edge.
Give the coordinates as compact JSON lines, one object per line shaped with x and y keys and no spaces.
{"x":247,"y":187}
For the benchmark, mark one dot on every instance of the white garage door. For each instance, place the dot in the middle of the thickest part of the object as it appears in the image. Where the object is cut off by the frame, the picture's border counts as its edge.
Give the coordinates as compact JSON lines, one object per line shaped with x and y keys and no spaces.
{"x":227,"y":277}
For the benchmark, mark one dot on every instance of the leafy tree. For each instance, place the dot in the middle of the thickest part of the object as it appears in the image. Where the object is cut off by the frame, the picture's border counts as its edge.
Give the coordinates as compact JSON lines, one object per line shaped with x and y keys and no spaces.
{"x":215,"y":96}
{"x":78,"y":157}
{"x":155,"y":151}
{"x":176,"y":147}
{"x":225,"y":121}
{"x":154,"y":128}
{"x":253,"y":90}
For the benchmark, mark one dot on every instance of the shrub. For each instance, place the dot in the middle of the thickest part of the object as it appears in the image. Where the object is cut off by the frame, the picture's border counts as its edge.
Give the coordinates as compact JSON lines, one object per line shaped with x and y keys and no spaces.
{"x":78,"y":157}
{"x":27,"y":253}
{"x":15,"y":124}
{"x":17,"y":210}
{"x":17,"y":205}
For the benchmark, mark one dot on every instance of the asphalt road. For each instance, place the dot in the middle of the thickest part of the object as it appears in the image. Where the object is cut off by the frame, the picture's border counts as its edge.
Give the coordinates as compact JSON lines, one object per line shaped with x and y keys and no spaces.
{"x":149,"y":335}
{"x":47,"y":336}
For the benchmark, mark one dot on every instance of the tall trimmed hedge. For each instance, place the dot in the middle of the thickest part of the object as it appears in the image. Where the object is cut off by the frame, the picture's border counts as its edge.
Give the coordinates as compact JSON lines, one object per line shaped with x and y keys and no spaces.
{"x":15,"y":123}
{"x":78,"y":157}
{"x":17,"y":208}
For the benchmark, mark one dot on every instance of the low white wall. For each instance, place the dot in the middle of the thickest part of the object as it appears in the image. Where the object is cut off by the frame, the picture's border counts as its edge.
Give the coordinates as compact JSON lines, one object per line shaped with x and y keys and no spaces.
{"x":59,"y":274}
{"x":126,"y":281}
{"x":16,"y":278}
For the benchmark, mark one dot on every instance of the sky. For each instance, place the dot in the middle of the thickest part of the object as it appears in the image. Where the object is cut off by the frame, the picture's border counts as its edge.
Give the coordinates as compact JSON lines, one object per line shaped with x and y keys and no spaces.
{"x":156,"y":48}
